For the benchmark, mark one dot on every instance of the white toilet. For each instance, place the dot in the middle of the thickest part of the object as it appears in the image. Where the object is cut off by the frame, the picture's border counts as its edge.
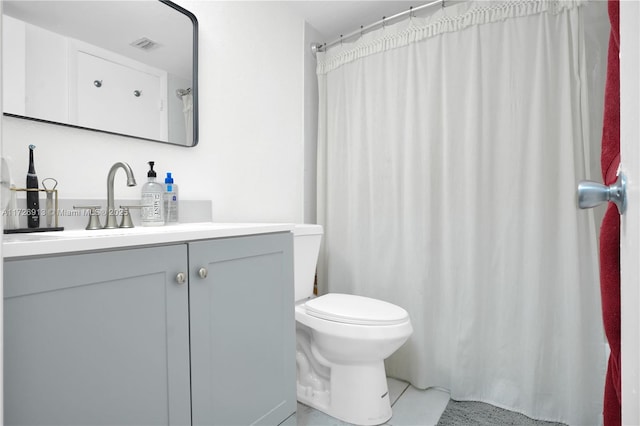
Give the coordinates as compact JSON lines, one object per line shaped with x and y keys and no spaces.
{"x":342,"y":341}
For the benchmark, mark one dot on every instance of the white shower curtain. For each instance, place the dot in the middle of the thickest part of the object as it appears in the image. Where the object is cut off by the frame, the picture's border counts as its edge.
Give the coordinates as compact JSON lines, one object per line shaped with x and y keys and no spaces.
{"x":187,"y":109}
{"x":449,"y":148}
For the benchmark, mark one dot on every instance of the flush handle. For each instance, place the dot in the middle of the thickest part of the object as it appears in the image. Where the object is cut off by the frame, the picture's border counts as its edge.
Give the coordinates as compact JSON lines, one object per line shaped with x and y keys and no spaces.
{"x":592,"y":194}
{"x":203,"y":273}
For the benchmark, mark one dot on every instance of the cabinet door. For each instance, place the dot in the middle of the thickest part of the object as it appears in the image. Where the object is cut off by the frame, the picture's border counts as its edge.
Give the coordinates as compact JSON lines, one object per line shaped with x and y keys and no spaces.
{"x":97,"y":339}
{"x":242,"y":330}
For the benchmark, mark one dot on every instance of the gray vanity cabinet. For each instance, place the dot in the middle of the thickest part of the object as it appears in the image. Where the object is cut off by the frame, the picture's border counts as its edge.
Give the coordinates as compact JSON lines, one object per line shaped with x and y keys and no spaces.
{"x":242,"y":330}
{"x":113,"y":338}
{"x":97,"y":339}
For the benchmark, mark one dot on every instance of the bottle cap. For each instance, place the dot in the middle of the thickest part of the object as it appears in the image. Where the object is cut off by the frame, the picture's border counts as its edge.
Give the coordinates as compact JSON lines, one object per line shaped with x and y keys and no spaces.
{"x":151,"y":172}
{"x":168,"y":179}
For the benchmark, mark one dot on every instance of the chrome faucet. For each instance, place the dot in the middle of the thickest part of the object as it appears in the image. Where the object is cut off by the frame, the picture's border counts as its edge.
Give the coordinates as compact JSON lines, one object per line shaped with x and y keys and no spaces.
{"x":131,"y":181}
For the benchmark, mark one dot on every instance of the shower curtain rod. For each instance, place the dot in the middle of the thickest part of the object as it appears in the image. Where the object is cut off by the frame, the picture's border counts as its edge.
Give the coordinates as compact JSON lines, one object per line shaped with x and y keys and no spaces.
{"x":322,"y":47}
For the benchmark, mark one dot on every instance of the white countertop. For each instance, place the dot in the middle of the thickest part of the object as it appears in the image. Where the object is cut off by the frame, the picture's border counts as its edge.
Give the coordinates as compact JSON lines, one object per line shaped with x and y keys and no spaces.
{"x":77,"y":240}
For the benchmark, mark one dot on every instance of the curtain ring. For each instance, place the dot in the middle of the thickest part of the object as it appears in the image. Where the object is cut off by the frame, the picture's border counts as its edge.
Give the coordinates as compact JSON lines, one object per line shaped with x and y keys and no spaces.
{"x":361,"y":30}
{"x":340,"y":40}
{"x":410,"y":13}
{"x":443,"y":3}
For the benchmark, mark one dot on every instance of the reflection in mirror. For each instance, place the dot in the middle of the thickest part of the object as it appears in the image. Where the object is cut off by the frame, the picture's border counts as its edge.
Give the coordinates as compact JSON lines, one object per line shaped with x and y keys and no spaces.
{"x":124,"y":67}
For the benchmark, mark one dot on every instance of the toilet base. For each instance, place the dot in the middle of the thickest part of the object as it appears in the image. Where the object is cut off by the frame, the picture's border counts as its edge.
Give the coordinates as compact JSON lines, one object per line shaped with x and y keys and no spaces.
{"x":358,"y":394}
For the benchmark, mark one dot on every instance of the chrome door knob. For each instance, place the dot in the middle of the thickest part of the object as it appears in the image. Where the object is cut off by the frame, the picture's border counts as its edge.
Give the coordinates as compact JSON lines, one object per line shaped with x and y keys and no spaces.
{"x":592,"y":194}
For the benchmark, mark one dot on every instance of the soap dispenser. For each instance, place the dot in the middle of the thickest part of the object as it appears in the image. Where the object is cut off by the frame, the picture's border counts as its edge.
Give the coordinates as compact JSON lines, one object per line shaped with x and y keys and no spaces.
{"x":152,"y":208}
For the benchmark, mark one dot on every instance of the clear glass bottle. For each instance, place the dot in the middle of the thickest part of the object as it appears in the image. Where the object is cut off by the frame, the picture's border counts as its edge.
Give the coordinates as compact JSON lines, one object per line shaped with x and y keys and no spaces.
{"x":152,"y":207}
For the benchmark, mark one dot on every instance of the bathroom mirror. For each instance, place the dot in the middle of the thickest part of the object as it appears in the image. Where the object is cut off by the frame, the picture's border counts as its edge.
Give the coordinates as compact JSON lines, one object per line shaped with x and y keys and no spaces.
{"x":121,"y":67}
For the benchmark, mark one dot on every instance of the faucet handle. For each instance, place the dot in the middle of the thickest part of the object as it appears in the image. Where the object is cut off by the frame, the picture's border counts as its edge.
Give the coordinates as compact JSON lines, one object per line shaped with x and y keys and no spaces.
{"x":126,"y":216}
{"x":94,"y":216}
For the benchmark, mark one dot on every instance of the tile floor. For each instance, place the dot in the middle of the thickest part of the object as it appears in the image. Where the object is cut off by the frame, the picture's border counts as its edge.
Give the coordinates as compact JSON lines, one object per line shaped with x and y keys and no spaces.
{"x":410,"y":407}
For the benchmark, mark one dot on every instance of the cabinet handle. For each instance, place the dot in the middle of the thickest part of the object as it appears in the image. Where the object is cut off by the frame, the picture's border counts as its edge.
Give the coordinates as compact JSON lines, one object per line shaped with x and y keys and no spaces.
{"x":181,"y":278}
{"x":203,"y":273}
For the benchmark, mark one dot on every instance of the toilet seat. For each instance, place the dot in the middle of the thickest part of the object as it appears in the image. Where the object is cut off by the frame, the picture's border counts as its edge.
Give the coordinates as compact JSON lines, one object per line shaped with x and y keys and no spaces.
{"x":357,"y":310}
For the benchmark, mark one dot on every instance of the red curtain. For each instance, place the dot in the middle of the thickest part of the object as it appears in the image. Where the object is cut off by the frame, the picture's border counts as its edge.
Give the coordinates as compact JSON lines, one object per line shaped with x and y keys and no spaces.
{"x":610,"y":229}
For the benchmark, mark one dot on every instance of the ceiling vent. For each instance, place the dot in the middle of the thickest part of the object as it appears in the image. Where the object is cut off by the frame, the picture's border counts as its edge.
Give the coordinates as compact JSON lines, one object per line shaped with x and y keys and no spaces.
{"x":144,"y":44}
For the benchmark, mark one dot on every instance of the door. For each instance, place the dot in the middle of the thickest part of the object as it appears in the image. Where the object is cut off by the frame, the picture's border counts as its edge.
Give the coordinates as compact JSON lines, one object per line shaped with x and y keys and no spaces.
{"x":242,"y":330}
{"x":629,"y":222}
{"x":116,"y":97}
{"x":591,"y":195}
{"x":97,"y":339}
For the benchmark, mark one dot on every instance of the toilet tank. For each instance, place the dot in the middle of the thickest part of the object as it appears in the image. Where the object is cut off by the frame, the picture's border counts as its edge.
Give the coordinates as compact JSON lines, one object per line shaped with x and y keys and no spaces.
{"x":306,"y":246}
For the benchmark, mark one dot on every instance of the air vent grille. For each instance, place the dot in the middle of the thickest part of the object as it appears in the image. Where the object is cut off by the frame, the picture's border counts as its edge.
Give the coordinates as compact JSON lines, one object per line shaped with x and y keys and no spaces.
{"x":144,"y":43}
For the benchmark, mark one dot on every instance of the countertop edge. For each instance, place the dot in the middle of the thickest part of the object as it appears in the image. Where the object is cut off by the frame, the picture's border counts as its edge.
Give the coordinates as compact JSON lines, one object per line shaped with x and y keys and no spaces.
{"x":53,"y":243}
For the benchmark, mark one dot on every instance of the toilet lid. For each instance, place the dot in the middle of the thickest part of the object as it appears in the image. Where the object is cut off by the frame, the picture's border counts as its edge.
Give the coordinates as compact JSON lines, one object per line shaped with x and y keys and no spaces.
{"x":350,"y":309}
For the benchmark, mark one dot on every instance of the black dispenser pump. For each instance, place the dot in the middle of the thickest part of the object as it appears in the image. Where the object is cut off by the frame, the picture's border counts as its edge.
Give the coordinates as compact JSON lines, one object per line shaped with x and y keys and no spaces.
{"x":151,"y":172}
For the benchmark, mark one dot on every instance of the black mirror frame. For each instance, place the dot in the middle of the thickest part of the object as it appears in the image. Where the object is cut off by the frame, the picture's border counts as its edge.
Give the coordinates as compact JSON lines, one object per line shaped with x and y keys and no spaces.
{"x":194,"y":91}
{"x":194,"y":84}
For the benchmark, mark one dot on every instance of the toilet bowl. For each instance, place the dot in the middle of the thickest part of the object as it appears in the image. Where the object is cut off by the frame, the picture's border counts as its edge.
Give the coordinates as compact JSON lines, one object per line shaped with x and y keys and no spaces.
{"x":341,"y":343}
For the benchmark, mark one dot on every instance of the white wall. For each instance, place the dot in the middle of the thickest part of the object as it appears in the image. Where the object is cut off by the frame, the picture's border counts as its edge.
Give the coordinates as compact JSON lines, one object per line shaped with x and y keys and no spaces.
{"x":48,"y":101}
{"x":250,"y":158}
{"x":14,"y":46}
